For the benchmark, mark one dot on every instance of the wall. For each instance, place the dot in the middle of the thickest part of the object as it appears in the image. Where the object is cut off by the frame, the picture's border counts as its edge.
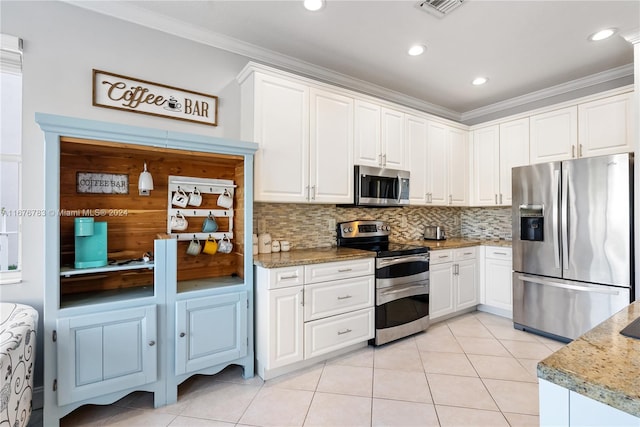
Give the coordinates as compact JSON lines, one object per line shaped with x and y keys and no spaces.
{"x":62,"y":44}
{"x":308,"y":226}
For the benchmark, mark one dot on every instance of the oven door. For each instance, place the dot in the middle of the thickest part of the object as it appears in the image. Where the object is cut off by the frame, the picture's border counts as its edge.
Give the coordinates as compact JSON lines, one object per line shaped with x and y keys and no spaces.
{"x":401,"y":270}
{"x":401,"y":311}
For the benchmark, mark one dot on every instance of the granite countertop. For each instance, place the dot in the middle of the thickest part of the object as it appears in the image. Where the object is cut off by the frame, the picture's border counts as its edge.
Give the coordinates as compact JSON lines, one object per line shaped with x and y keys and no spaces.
{"x":309,"y":256}
{"x":601,"y":364}
{"x":320,"y":255}
{"x":460,"y":242}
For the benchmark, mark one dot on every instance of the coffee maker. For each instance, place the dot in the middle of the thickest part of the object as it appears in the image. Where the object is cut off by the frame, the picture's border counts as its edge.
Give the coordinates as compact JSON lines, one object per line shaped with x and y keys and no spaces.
{"x":90,"y":243}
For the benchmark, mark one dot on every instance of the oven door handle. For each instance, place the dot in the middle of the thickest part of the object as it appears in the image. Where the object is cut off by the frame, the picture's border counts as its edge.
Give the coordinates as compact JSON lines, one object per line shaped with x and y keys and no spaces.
{"x":393,"y":293}
{"x":385,"y":262}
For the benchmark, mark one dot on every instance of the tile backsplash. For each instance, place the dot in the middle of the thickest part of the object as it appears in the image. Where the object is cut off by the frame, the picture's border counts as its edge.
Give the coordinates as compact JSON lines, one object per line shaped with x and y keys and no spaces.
{"x":312,"y":225}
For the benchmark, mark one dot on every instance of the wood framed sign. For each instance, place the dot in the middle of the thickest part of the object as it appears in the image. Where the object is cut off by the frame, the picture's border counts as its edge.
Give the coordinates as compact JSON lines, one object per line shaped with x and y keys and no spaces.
{"x":102,"y":183}
{"x":140,"y":96}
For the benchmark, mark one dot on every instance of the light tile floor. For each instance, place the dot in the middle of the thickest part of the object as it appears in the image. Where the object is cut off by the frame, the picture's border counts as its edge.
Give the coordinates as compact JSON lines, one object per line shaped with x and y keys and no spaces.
{"x":473,"y":370}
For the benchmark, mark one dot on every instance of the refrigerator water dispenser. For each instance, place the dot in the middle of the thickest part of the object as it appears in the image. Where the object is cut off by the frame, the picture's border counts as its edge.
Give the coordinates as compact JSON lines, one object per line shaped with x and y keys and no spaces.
{"x":532,"y":223}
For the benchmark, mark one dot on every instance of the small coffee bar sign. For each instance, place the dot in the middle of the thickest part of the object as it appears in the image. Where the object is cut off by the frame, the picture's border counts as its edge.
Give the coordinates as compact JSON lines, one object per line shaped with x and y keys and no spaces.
{"x":102,"y":183}
{"x":140,"y":96}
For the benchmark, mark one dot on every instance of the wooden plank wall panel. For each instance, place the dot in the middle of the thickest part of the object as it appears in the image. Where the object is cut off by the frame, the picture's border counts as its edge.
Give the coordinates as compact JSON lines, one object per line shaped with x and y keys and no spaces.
{"x":134,"y":221}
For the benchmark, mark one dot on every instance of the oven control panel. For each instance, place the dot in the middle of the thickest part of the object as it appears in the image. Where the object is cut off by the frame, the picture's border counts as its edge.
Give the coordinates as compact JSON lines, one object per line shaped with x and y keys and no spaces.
{"x":368,"y":228}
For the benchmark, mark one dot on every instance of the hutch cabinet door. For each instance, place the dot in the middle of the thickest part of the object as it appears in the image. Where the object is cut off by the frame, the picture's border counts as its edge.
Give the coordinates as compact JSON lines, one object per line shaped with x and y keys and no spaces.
{"x":210,"y":331}
{"x":105,"y":352}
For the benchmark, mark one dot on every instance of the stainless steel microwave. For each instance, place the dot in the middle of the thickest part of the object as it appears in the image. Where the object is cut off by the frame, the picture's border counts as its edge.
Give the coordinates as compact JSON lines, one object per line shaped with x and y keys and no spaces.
{"x":381,"y":187}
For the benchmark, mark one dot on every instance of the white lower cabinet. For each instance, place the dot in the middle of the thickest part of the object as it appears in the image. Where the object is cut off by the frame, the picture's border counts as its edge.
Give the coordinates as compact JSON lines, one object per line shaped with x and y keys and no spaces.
{"x":210,"y":331}
{"x":562,"y":407}
{"x":105,"y":352}
{"x":453,"y":281}
{"x":497,"y":284}
{"x":303,"y":312}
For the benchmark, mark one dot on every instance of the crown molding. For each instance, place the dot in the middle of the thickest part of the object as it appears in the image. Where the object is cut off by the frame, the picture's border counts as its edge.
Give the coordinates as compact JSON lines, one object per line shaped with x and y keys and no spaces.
{"x":632,"y":36}
{"x":571,"y":86}
{"x":140,"y":16}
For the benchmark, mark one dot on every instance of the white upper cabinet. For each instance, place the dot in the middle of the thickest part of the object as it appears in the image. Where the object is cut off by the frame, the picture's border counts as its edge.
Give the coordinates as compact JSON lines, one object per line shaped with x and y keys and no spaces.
{"x":554,"y":135}
{"x":379,"y":136}
{"x":393,"y":142}
{"x":486,"y":165}
{"x":416,"y":137}
{"x":367,"y":134}
{"x":458,"y":146}
{"x":331,"y":148}
{"x":497,"y":149}
{"x":447,"y":168}
{"x":514,"y":151}
{"x":605,"y":126}
{"x":305,"y":137}
{"x":276,"y":116}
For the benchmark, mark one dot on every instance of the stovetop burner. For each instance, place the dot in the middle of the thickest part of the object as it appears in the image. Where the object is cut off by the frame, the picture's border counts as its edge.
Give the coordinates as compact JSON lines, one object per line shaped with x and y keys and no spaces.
{"x":374,"y":236}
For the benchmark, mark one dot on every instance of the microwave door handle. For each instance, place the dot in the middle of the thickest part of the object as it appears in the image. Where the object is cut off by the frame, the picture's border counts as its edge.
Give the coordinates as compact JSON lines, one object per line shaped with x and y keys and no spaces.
{"x":399,"y":188}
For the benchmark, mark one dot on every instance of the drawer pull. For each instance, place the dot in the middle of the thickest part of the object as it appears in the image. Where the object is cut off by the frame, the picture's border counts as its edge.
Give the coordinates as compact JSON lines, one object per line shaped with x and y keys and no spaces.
{"x":345,"y":297}
{"x":443,"y":256}
{"x":500,"y":253}
{"x":468,"y":253}
{"x":346,"y":331}
{"x":295,"y":276}
{"x":344,"y":270}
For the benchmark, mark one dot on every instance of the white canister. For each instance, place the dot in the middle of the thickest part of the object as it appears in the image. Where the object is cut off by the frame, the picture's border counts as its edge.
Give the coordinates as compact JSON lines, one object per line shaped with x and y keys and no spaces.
{"x":285,"y":246}
{"x":255,"y":245}
{"x":275,"y":246}
{"x":264,"y":243}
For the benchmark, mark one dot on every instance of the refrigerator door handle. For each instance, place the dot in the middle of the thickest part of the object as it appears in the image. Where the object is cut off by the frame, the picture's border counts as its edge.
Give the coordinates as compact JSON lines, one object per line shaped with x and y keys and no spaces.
{"x":565,"y":219}
{"x":599,"y":290}
{"x":554,"y":217}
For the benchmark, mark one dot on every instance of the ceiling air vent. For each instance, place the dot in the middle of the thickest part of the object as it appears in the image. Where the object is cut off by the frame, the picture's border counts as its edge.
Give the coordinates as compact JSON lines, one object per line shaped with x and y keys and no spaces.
{"x":440,"y":8}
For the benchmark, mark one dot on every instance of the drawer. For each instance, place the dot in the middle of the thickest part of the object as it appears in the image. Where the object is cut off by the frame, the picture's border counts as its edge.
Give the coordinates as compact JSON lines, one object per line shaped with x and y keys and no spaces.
{"x":338,"y":296}
{"x":497,"y":252}
{"x":336,"y":332}
{"x":464,"y":253}
{"x":285,"y":277}
{"x":440,"y":257}
{"x":338,"y":270}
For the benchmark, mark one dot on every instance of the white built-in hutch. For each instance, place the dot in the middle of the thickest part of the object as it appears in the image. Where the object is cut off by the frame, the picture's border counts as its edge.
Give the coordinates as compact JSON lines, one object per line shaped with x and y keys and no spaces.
{"x":136,"y":325}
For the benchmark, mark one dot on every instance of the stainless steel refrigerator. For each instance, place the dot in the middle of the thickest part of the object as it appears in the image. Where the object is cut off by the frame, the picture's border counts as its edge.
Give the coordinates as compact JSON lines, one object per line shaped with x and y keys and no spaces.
{"x":572,"y":243}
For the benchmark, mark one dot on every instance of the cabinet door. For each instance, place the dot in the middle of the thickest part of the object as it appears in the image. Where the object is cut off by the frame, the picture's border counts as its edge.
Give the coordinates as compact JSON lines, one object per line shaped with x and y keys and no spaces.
{"x":486,"y":158}
{"x":286,"y":321}
{"x":367,"y":134}
{"x":393,"y":144}
{"x":331,"y":148}
{"x":437,"y":165}
{"x":553,"y":135}
{"x":106,"y":352}
{"x":467,"y":284}
{"x":281,"y":117}
{"x":416,"y":138}
{"x":210,"y":331}
{"x":458,"y":167}
{"x":441,"y":290}
{"x":498,"y":287}
{"x":605,"y":126}
{"x":514,"y":151}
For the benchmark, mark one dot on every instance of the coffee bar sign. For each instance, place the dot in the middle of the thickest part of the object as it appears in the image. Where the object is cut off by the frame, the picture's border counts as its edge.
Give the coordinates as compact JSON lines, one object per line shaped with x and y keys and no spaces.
{"x":140,"y":96}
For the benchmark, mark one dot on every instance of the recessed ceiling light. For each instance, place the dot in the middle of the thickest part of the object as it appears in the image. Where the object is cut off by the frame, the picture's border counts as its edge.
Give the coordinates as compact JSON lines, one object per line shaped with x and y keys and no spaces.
{"x":313,"y":5}
{"x":479,"y":81}
{"x":602,"y":34}
{"x":416,"y":49}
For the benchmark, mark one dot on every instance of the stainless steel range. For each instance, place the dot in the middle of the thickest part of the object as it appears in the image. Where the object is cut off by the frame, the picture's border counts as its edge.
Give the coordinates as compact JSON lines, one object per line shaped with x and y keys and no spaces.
{"x":402,"y":279}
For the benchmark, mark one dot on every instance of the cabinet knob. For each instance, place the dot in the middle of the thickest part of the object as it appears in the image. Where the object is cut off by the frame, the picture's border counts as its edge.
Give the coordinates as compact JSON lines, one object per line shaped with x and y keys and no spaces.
{"x":152,"y":343}
{"x":182,"y":334}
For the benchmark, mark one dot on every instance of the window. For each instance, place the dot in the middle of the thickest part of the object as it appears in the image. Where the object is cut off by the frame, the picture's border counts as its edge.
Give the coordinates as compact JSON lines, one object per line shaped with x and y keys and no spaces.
{"x":10,"y":158}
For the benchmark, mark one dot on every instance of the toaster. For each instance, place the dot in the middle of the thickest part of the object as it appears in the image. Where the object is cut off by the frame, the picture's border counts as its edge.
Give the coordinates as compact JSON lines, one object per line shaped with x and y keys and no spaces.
{"x":434,"y":232}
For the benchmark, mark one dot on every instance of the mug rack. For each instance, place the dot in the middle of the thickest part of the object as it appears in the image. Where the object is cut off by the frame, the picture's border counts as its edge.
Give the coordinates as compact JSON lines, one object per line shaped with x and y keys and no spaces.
{"x":204,"y":186}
